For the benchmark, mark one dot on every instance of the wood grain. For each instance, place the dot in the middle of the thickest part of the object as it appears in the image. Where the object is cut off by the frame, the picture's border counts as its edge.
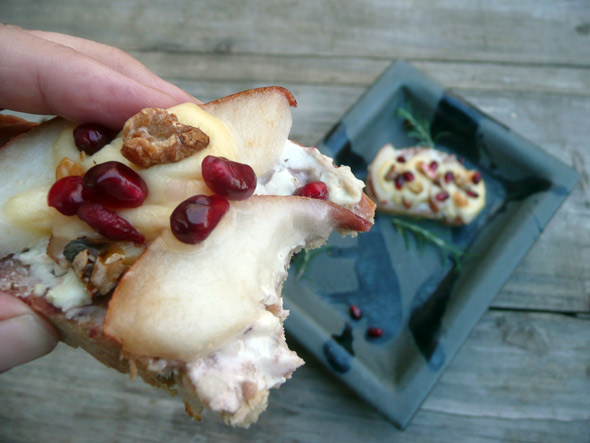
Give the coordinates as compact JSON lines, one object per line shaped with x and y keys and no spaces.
{"x":525,"y":31}
{"x":486,"y":393}
{"x":524,"y":372}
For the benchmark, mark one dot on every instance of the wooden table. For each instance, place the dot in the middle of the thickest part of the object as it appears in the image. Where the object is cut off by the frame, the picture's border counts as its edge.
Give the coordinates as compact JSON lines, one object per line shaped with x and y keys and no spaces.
{"x":524,"y":373}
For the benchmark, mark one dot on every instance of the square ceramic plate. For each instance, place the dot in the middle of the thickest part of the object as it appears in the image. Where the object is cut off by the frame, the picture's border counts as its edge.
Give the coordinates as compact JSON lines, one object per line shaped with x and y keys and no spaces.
{"x":422,"y":301}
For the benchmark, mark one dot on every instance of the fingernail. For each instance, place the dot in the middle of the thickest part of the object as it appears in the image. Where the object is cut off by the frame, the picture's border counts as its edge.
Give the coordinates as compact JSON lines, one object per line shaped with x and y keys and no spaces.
{"x":23,"y":339}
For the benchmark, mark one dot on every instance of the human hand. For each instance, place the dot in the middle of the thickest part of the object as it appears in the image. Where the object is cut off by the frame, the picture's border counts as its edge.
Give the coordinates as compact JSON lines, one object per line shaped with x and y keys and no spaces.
{"x":80,"y":80}
{"x":24,"y":334}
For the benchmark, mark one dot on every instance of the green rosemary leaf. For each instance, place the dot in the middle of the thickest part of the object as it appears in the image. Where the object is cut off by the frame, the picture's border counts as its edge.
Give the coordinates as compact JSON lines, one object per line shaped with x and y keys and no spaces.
{"x":304,"y":258}
{"x":418,"y":129}
{"x":406,"y":239}
{"x":423,"y":235}
{"x":440,"y":135}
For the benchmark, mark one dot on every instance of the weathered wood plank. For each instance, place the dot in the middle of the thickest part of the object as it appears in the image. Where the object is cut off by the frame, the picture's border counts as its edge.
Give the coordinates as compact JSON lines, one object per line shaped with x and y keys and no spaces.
{"x":362,"y":71}
{"x":525,"y":31}
{"x":518,"y":377}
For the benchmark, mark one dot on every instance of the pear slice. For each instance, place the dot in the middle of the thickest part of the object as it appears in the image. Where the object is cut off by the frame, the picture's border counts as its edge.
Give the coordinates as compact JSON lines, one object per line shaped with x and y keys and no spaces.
{"x":26,"y":164}
{"x":261,"y":119}
{"x":183,"y":301}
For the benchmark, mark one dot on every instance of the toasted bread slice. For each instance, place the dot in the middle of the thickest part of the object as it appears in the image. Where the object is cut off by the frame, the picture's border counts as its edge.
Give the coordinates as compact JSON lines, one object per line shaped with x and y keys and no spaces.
{"x":425,"y":182}
{"x":203,"y":319}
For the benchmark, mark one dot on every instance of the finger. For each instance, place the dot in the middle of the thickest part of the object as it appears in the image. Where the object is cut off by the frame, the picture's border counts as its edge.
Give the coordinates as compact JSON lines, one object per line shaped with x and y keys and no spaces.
{"x":43,"y":77}
{"x":118,"y":60}
{"x":24,"y":335}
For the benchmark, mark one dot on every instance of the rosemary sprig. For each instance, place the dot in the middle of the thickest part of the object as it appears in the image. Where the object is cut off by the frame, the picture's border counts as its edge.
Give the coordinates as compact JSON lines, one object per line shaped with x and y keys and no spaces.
{"x":423,"y":235}
{"x":303,"y":259}
{"x":417,"y":128}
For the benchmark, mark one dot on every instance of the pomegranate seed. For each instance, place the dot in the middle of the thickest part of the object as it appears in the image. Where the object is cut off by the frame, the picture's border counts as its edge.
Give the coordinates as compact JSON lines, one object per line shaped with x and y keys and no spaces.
{"x":408,"y":176}
{"x":399,"y":182}
{"x":471,"y":193}
{"x":441,"y":196}
{"x":401,"y":159}
{"x":433,"y":165}
{"x":317,"y":190}
{"x":66,"y":195}
{"x":108,"y":224}
{"x":90,"y":137}
{"x":114,"y":184}
{"x":476,"y":177}
{"x":233,"y":180}
{"x":449,"y":176}
{"x":374,"y":332}
{"x":355,"y":312}
{"x":193,"y":220}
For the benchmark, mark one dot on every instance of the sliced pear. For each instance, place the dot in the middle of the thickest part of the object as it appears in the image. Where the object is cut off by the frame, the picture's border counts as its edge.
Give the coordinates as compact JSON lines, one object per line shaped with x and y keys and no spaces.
{"x":182,"y":301}
{"x":26,"y":162}
{"x":261,"y":120}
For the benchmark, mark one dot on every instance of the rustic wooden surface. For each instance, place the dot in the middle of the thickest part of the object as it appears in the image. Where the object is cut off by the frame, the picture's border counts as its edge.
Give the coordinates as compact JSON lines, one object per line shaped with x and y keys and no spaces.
{"x":524,"y":373}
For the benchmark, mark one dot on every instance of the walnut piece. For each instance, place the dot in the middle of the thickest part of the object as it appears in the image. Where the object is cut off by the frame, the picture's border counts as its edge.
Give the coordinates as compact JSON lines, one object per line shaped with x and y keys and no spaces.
{"x":459,"y":200}
{"x":390,"y":176}
{"x":67,"y":167}
{"x":416,"y":187}
{"x":154,"y":136}
{"x":106,"y":274}
{"x":100,"y":274}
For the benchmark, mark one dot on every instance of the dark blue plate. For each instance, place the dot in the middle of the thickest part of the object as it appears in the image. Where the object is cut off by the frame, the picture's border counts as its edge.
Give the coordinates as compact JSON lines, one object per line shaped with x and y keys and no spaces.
{"x":425,"y":305}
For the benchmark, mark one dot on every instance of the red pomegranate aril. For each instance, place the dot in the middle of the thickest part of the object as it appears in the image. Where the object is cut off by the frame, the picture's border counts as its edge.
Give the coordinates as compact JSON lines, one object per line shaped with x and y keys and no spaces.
{"x":433,"y":165}
{"x":114,"y":184}
{"x":317,"y":190}
{"x":233,"y":180}
{"x":401,"y":159}
{"x":66,"y":195}
{"x":195,"y":218}
{"x":399,"y":182}
{"x":471,"y":193}
{"x":374,"y":332}
{"x":108,"y":223}
{"x":476,"y":178}
{"x":441,"y":196}
{"x":449,"y":177}
{"x":91,"y":138}
{"x":408,"y":176}
{"x":355,"y":312}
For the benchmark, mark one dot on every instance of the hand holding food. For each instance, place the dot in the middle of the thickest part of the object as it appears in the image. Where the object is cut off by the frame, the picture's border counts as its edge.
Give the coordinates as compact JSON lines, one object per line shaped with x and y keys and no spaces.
{"x":84,"y":81}
{"x":163,"y":252}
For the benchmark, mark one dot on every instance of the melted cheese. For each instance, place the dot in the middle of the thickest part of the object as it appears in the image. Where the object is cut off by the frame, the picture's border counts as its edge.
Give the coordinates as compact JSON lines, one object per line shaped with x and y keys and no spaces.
{"x":420,"y":194}
{"x":168,"y":184}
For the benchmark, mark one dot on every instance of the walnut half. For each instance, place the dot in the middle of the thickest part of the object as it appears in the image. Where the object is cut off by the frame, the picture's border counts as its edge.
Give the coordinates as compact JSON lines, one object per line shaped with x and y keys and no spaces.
{"x":154,"y":136}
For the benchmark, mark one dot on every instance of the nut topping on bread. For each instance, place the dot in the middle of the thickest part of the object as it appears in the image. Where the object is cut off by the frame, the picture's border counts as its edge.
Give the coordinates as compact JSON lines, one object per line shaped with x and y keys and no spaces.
{"x":424,"y":182}
{"x":155,"y":136}
{"x":201,"y":317}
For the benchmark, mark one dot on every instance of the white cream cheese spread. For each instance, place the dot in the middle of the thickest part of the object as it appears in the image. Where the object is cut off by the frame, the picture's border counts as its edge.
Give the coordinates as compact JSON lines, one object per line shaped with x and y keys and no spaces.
{"x":299,"y":165}
{"x":62,"y":289}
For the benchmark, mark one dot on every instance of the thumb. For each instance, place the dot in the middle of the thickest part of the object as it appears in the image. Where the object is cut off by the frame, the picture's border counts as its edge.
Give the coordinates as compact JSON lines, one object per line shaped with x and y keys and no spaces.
{"x":24,"y":335}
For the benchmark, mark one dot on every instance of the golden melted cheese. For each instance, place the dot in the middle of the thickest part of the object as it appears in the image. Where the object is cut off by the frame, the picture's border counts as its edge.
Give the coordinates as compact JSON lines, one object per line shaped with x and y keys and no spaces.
{"x":168,"y":184}
{"x":421,"y":193}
